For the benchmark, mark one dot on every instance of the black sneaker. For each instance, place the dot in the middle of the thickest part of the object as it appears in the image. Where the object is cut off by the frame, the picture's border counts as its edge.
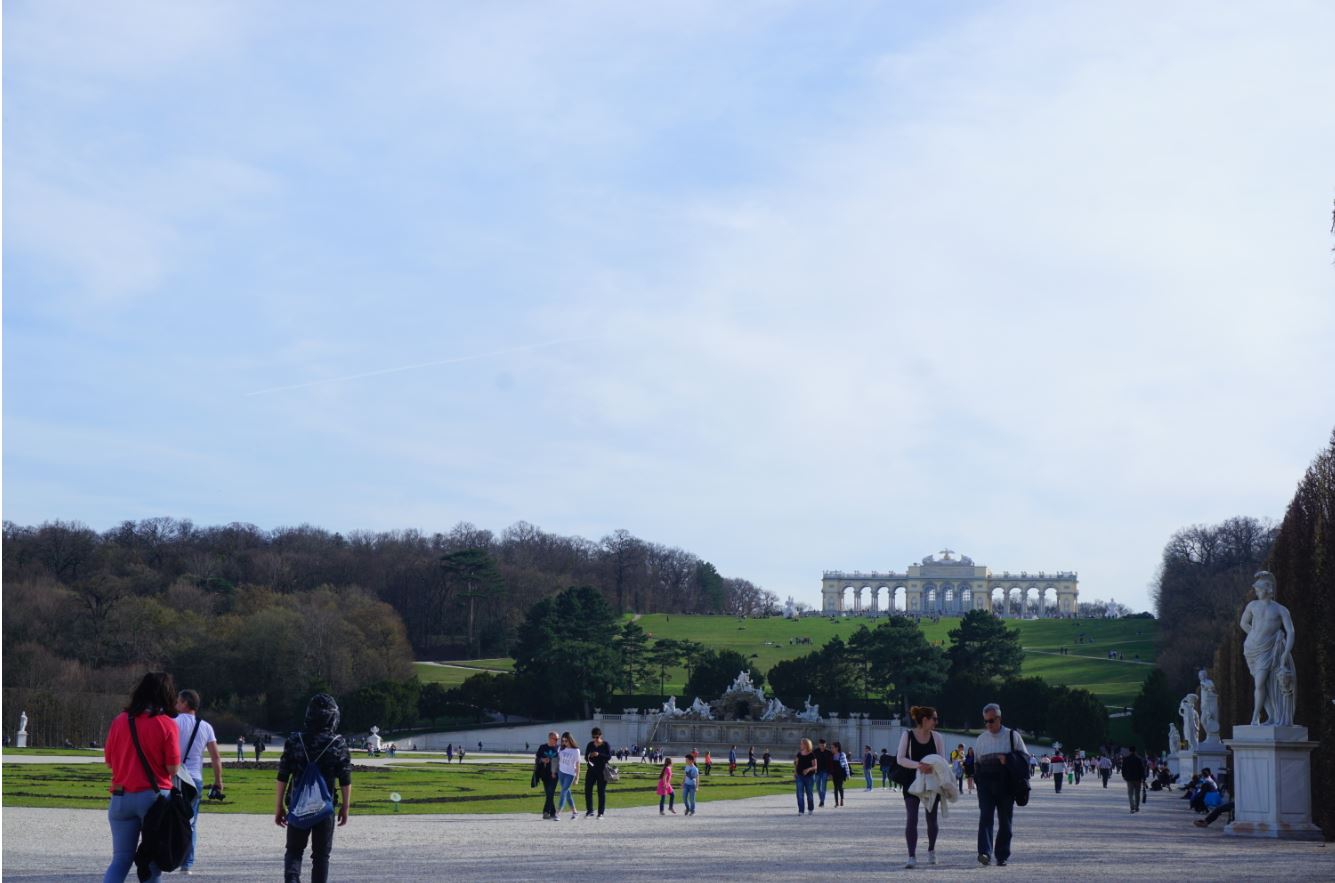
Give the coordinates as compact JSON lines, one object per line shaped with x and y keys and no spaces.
{"x":1001,"y":863}
{"x":984,"y":858}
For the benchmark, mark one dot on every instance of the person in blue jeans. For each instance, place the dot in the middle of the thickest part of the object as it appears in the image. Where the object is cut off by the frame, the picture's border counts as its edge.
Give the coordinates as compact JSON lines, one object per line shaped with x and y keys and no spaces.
{"x":689,"y":783}
{"x":133,"y":788}
{"x":568,"y":773}
{"x":824,"y":769}
{"x":197,"y":736}
{"x":804,"y":774}
{"x":868,"y":761}
{"x":995,"y":797}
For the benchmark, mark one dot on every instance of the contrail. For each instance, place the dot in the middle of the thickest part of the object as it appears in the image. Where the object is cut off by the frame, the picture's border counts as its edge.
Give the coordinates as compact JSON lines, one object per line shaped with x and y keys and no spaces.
{"x":382,"y":371}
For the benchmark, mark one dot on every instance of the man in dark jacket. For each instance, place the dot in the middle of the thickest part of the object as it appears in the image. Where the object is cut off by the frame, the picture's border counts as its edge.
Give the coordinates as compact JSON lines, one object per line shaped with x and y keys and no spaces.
{"x":598,"y":754}
{"x":1133,"y":772}
{"x":824,"y":768}
{"x":546,"y":764}
{"x":320,"y":742}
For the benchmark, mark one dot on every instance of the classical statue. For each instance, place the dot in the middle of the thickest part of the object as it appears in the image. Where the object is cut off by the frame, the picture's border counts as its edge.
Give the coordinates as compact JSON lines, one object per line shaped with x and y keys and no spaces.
{"x":1269,"y":652}
{"x":1209,"y":707}
{"x":790,"y":609}
{"x":670,"y":708}
{"x":23,"y":722}
{"x":743,"y":685}
{"x":1174,"y":739}
{"x":809,"y":713}
{"x":775,"y":710}
{"x":701,"y":709}
{"x":1191,"y":720}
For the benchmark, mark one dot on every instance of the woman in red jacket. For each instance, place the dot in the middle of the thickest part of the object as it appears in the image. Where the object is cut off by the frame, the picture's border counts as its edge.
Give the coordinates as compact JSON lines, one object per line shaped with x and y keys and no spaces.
{"x":132,"y":791}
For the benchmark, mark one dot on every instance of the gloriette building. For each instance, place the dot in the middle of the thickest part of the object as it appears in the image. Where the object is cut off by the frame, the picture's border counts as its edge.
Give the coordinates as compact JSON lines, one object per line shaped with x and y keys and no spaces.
{"x":951,"y":586}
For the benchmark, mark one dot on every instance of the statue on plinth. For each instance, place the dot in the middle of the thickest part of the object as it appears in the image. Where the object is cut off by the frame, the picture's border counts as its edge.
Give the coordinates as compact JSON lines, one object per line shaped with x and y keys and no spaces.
{"x":790,"y":609}
{"x":775,"y":710}
{"x":670,"y":708}
{"x":1269,"y":654}
{"x":23,"y":723}
{"x":1174,"y":739}
{"x":701,"y":709}
{"x":1209,"y":707}
{"x":809,"y":713}
{"x":1191,"y":720}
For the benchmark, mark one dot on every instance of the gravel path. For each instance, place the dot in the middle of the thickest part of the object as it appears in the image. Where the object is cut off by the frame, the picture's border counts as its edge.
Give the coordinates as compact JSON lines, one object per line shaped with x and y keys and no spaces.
{"x":1085,"y":833}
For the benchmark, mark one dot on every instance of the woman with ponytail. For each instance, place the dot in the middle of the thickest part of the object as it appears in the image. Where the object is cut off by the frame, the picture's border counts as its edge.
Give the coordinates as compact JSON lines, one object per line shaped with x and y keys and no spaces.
{"x":914,"y":745}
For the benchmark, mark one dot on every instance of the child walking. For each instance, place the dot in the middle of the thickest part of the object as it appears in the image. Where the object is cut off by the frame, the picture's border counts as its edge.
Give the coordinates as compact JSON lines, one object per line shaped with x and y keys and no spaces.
{"x":665,"y":791}
{"x":690,"y":781}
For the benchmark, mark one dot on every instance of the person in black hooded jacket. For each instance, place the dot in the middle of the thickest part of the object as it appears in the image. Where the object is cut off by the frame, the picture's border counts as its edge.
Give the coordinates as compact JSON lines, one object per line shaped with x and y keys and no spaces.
{"x":317,"y":741}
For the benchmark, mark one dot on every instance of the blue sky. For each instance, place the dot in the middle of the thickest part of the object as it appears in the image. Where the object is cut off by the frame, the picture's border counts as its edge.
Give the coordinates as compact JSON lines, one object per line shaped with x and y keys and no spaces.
{"x":793,"y":286}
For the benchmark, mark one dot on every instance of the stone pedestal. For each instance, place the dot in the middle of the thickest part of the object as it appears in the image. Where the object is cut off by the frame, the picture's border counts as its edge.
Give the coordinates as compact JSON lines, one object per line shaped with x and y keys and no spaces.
{"x":1272,"y":783}
{"x":21,"y":740}
{"x":1174,"y":766}
{"x":1212,"y":756}
{"x":1186,"y":764}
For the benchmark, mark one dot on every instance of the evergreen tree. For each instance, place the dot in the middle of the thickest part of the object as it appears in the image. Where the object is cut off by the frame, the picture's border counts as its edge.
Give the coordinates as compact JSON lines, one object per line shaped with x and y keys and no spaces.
{"x":983,"y":647}
{"x":1152,"y":712}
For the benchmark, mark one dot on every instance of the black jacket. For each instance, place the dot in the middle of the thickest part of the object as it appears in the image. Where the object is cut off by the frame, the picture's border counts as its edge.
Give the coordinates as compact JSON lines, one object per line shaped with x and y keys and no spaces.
{"x":320,"y":739}
{"x":1133,"y":768}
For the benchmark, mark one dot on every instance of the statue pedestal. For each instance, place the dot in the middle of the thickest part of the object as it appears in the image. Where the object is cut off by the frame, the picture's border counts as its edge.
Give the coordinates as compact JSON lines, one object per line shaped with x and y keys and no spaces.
{"x":1186,"y":764}
{"x":21,"y":740}
{"x":1212,"y":756}
{"x":1272,"y":783}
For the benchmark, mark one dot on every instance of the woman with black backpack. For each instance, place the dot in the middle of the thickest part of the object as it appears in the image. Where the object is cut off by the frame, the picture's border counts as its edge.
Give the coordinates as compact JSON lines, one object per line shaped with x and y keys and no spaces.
{"x":133,"y":791}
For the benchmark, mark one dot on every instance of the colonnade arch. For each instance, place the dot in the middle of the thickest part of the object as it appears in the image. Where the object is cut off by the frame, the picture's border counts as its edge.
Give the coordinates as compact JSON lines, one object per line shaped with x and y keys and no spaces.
{"x":950,"y":586}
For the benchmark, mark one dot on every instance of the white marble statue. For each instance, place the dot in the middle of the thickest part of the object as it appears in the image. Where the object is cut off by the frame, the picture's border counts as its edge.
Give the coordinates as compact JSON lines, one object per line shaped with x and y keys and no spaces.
{"x":701,"y":709}
{"x":1209,"y":708}
{"x":670,"y":708}
{"x":23,"y":722}
{"x":809,"y":713}
{"x":1269,"y":652}
{"x":1191,"y":720}
{"x":743,"y":684}
{"x":373,"y":741}
{"x":790,"y":609}
{"x":1174,"y":739}
{"x":775,"y":710}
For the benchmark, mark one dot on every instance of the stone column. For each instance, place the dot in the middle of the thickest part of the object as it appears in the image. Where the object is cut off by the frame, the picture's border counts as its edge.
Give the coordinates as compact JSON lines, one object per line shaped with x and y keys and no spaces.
{"x":1272,"y":783}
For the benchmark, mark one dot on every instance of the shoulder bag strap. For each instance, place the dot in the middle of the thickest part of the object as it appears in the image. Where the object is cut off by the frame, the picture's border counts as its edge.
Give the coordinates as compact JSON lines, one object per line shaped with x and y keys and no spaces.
{"x":148,"y":770}
{"x":194,"y":732}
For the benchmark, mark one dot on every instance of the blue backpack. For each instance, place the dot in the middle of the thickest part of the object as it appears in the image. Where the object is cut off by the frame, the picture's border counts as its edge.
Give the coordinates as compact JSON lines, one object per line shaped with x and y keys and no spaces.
{"x":310,"y":803}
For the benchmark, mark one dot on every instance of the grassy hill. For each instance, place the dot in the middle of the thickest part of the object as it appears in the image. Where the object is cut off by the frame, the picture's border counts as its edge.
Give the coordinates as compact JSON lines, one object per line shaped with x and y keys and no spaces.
{"x":772,"y":640}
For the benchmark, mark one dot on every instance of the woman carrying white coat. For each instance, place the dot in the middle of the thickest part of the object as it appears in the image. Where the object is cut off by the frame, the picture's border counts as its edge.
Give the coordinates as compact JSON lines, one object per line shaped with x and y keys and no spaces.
{"x":914,"y":748}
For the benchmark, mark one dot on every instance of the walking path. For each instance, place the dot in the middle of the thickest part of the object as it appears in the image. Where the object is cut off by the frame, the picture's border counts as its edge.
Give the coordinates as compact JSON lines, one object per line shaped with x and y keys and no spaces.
{"x":1085,"y":833}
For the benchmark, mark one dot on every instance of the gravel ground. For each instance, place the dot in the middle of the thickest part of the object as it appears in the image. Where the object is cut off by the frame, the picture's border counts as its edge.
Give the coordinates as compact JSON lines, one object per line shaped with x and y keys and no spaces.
{"x":1085,"y":833}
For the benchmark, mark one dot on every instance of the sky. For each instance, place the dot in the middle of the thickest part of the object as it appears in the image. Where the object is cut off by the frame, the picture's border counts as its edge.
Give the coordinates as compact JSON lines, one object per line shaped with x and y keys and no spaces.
{"x":793,"y":286}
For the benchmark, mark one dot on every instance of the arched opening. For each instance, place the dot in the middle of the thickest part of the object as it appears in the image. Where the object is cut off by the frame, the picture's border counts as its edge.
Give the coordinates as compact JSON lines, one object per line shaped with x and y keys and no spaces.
{"x":1015,"y":601}
{"x":949,"y":599}
{"x":999,"y":601}
{"x":899,"y":598}
{"x":929,"y":598}
{"x":966,"y":599}
{"x":1033,"y":600}
{"x":1050,"y":601}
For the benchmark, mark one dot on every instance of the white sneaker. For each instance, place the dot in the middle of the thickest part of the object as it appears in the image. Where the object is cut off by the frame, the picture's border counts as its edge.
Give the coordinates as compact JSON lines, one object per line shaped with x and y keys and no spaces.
{"x":911,"y":863}
{"x":931,"y":858}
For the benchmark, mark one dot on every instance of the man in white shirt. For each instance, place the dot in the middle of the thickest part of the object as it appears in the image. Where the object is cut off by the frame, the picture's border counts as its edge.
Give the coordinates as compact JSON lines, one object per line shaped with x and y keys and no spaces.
{"x":993,"y":776}
{"x":195,"y":736}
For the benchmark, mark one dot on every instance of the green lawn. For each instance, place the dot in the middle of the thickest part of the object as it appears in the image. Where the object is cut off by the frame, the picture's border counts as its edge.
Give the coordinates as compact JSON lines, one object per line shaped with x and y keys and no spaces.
{"x":771,"y":640}
{"x":426,"y":788}
{"x":455,"y":672}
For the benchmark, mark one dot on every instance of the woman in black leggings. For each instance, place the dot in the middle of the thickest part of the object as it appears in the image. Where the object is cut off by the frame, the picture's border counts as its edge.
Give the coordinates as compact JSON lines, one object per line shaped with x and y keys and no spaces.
{"x":915,"y":745}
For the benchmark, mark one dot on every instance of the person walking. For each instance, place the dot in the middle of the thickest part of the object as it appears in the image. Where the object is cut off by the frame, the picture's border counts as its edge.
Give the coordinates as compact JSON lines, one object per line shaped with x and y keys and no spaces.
{"x":1058,"y":767}
{"x":805,"y":765}
{"x":1105,"y":768}
{"x":996,"y":795}
{"x":751,"y":761}
{"x":240,"y":749}
{"x":1133,"y":773}
{"x":196,"y":735}
{"x":914,"y":746}
{"x":568,"y":773}
{"x":598,"y":754}
{"x":824,"y":769}
{"x":145,"y":725}
{"x":764,"y":760}
{"x":665,"y":790}
{"x":709,"y":762}
{"x":732,"y":760}
{"x":970,"y":766}
{"x":449,"y":752}
{"x":690,"y":781}
{"x":546,"y":763}
{"x":838,"y":772}
{"x":886,"y":763}
{"x":868,"y":761}
{"x":317,"y":742}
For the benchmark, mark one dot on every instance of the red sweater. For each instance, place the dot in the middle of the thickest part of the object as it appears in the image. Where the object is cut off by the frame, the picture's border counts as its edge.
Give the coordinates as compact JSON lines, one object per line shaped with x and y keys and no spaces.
{"x":161,"y":743}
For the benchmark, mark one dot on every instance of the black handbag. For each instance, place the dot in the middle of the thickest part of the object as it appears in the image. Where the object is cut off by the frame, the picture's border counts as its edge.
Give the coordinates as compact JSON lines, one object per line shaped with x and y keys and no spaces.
{"x":1017,"y":765}
{"x":164,"y":838}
